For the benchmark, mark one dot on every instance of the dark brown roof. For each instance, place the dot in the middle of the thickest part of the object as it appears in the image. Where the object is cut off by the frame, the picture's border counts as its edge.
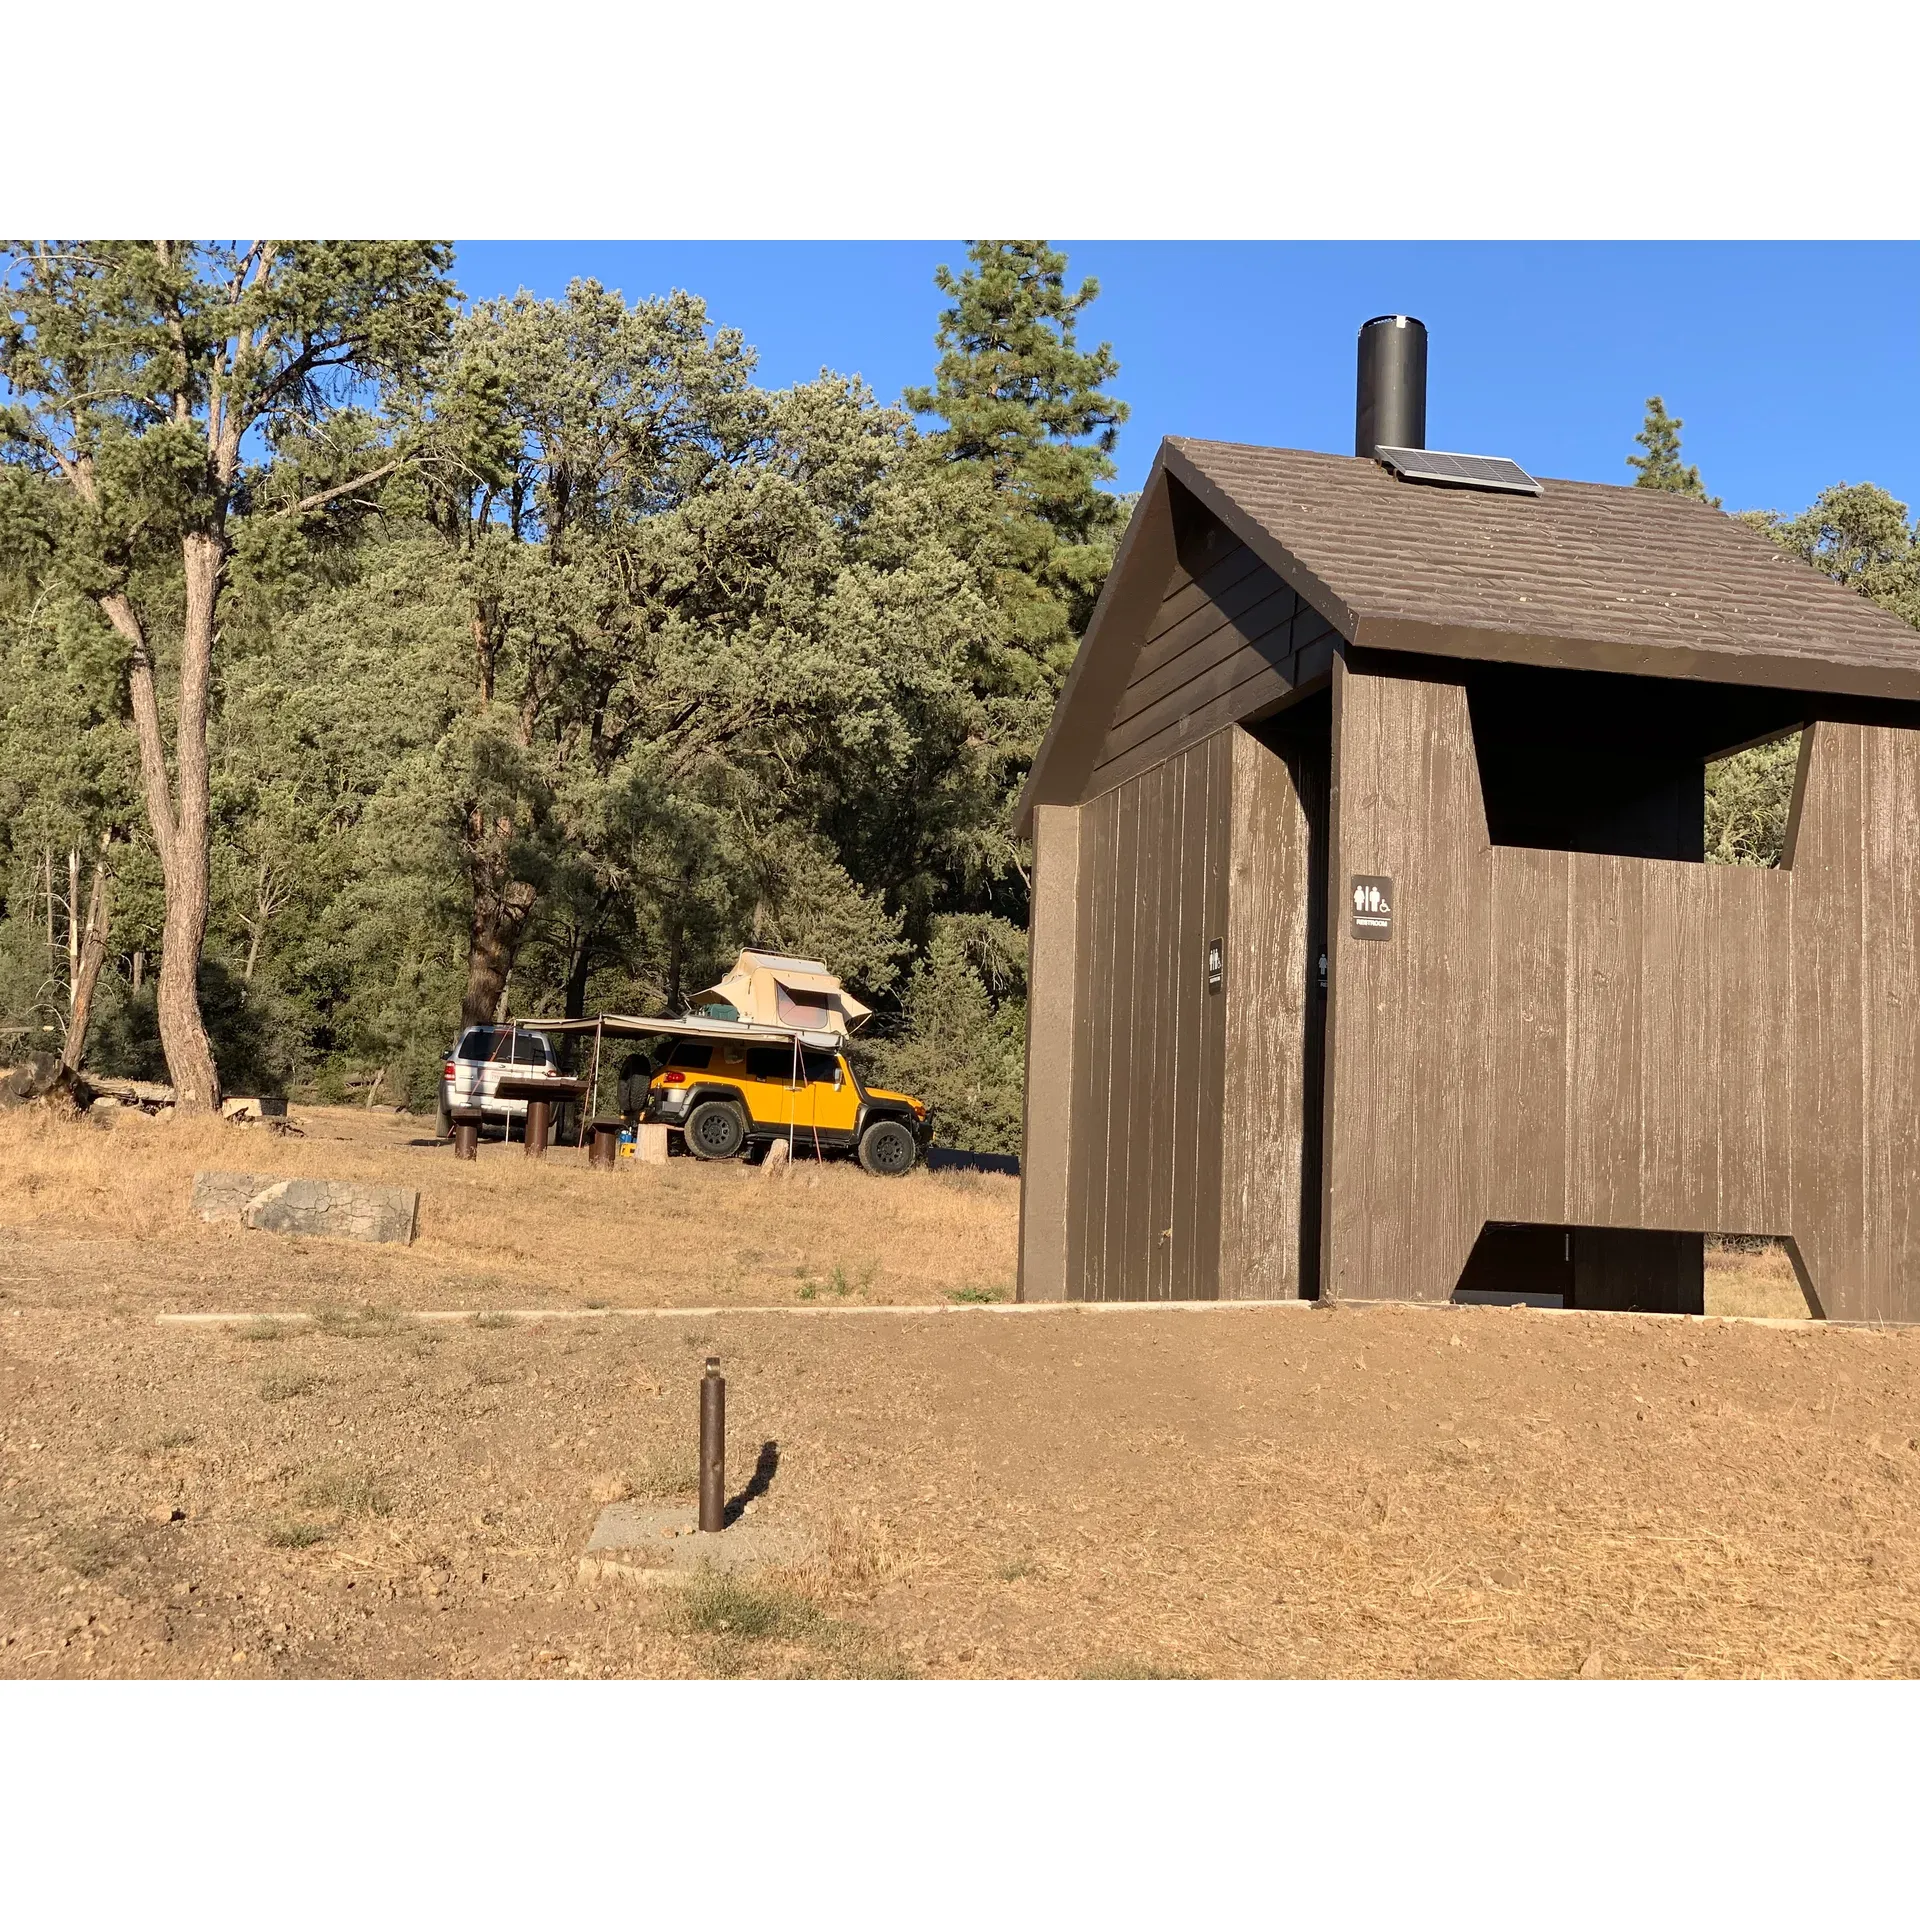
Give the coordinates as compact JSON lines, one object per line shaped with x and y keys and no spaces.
{"x":1618,"y":578}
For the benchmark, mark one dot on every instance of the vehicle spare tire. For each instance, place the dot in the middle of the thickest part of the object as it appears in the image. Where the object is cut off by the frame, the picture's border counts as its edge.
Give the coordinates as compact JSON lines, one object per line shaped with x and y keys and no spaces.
{"x":715,"y":1131}
{"x":887,"y":1147}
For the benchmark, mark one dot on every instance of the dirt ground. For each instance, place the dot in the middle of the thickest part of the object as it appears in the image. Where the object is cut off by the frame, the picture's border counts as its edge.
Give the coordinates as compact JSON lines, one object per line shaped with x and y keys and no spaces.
{"x":1260,"y":1491}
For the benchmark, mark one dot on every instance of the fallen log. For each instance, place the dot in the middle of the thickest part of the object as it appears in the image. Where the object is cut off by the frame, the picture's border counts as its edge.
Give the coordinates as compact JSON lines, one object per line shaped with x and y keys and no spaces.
{"x":43,"y":1078}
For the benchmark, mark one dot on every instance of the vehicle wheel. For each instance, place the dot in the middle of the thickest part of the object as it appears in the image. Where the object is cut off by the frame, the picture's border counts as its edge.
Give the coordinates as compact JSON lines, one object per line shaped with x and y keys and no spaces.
{"x":715,"y":1131}
{"x":442,"y":1120}
{"x":887,"y":1147}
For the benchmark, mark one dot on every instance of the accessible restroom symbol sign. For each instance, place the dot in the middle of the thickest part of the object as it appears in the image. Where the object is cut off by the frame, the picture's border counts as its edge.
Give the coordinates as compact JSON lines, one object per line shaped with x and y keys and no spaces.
{"x":1372,"y":897}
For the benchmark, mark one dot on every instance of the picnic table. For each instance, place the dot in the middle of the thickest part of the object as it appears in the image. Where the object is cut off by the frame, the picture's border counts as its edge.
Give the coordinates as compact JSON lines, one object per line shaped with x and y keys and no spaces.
{"x":541,"y":1096}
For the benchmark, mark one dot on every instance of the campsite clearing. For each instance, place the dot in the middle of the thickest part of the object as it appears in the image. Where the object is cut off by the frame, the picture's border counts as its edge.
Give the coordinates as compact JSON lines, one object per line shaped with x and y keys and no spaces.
{"x":1374,"y":1490}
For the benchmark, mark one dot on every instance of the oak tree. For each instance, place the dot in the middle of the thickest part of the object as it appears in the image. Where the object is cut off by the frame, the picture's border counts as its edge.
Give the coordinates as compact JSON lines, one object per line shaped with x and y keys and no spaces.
{"x":158,"y":382}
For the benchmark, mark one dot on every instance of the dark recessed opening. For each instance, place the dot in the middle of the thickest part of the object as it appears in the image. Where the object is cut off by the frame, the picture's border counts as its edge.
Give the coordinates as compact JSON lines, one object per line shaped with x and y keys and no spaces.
{"x":1606,"y":1269}
{"x":1608,"y":762}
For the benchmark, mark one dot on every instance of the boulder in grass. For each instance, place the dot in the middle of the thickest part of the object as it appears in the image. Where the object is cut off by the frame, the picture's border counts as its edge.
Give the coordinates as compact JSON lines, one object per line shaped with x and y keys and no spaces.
{"x":220,"y":1198}
{"x":334,"y":1209}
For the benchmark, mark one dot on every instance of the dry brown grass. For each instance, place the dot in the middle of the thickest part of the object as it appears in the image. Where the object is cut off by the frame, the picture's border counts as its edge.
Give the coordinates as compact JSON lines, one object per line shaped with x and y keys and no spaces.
{"x":1383,"y":1491}
{"x":504,"y":1230}
{"x":1753,"y":1282}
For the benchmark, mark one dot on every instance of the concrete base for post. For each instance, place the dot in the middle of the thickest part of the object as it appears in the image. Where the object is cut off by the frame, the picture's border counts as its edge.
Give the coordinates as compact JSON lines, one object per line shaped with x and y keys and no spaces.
{"x":663,"y":1546}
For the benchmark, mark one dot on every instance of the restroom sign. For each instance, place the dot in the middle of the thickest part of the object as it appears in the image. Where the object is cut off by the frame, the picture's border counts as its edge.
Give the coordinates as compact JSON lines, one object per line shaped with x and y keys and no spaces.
{"x":1372,"y":897}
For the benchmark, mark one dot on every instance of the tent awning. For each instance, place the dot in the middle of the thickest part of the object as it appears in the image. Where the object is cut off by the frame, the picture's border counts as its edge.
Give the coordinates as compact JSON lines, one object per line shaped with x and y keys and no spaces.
{"x":695,"y":1029}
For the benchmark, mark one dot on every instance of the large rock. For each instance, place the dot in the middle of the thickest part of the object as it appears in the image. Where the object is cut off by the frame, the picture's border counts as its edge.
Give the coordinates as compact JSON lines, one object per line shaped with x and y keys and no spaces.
{"x":337,"y":1209}
{"x":221,"y":1198}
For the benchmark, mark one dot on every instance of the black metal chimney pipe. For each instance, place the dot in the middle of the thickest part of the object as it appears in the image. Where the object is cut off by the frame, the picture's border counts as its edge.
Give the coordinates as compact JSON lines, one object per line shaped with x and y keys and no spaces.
{"x":1390,"y":404}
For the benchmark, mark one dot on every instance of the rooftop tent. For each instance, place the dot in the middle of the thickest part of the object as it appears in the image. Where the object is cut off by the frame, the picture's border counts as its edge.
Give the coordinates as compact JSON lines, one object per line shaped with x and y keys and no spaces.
{"x":779,"y":990}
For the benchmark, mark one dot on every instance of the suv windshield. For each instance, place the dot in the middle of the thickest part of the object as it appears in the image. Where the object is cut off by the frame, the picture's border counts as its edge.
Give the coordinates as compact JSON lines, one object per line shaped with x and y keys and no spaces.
{"x":490,"y":1044}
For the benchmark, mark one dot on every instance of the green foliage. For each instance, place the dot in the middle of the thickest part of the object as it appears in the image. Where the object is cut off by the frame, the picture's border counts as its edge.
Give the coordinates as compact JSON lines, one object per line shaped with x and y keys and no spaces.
{"x":295,"y":1534}
{"x":963,"y":1047}
{"x":1022,"y":403}
{"x":550,"y":643}
{"x":1660,"y":467}
{"x":1749,"y":797}
{"x":176,"y":429}
{"x":723,"y":1605}
{"x":1859,"y":536}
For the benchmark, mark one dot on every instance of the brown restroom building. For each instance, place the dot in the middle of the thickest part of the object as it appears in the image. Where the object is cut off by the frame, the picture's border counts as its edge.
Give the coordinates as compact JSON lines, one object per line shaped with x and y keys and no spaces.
{"x":1374,"y":951}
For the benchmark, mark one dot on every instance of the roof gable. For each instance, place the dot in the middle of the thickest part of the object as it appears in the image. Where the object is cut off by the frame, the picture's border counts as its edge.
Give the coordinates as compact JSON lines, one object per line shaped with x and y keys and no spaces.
{"x":1608,"y":579}
{"x":1622,"y":579}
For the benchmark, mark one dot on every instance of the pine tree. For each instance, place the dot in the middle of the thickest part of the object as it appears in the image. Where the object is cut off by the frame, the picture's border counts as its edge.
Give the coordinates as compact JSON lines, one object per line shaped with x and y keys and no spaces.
{"x":1860,"y":537}
{"x":1660,"y":466}
{"x":1023,"y":402}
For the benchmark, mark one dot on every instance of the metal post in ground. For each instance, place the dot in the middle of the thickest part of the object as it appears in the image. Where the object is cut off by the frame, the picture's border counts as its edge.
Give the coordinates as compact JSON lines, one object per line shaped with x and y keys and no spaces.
{"x":713,"y":1450}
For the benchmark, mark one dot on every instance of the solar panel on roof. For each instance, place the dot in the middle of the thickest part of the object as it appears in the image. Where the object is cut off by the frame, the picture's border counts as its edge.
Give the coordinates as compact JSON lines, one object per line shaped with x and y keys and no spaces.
{"x":1484,"y":472}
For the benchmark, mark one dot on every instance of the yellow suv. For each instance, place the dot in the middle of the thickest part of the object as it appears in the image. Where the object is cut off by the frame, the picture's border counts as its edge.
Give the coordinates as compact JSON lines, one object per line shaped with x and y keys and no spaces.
{"x":727,"y":1094}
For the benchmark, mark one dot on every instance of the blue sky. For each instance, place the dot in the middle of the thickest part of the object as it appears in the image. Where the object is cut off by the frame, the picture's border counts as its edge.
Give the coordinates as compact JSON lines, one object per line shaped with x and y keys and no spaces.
{"x":1793,"y":365}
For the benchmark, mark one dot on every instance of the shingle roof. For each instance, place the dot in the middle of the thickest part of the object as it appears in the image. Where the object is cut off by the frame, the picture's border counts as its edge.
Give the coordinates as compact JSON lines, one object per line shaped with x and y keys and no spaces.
{"x":1622,"y":578}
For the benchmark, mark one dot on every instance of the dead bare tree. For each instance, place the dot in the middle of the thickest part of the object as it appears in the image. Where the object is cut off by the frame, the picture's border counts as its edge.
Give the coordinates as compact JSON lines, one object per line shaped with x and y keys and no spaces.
{"x":90,"y":953}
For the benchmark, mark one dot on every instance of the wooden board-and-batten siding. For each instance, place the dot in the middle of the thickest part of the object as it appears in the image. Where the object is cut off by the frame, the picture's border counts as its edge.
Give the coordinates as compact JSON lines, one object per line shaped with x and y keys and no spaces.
{"x":1601,"y":1041}
{"x":1166,"y":1127}
{"x":1229,"y":639}
{"x":1165,"y":1120}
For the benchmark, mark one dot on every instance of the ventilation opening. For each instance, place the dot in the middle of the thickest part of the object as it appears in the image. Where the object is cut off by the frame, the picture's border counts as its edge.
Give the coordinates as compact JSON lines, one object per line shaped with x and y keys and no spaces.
{"x":1754,"y":1277}
{"x":1599,"y":1269}
{"x":1614,"y":763}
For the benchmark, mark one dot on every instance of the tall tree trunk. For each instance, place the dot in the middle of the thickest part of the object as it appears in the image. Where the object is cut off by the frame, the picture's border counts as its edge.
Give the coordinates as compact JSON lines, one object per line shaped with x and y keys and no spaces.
{"x":73,"y":925}
{"x":93,"y":954}
{"x":263,"y":905}
{"x":196,"y":1080}
{"x":180,"y":833}
{"x":498,"y":925}
{"x":676,"y":951}
{"x":576,"y":1003}
{"x":502,"y":904}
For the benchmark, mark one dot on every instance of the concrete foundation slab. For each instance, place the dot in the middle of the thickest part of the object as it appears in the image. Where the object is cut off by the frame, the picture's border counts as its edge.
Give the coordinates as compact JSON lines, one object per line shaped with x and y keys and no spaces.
{"x":664,"y":1545}
{"x":338,"y":1209}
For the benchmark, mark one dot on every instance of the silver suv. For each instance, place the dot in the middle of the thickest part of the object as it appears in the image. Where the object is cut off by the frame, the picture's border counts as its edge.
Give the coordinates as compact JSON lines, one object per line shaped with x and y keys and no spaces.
{"x":481,"y":1058}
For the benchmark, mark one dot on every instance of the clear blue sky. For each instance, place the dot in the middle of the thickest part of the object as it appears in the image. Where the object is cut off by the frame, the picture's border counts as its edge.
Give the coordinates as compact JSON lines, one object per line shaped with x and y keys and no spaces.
{"x":1793,"y":365}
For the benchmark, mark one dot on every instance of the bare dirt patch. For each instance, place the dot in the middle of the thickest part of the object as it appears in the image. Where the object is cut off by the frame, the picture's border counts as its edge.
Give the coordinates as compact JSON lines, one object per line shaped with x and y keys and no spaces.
{"x":1354,"y":1491}
{"x":1348,"y":1492}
